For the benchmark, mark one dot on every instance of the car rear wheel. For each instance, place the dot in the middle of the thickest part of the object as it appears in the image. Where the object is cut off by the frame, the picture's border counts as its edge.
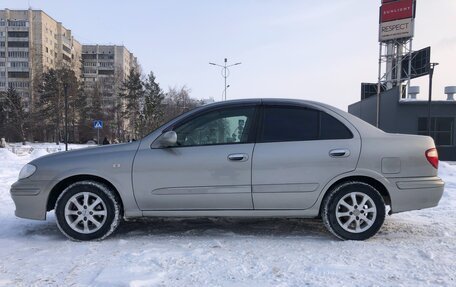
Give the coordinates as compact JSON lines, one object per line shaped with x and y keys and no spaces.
{"x":87,"y":210}
{"x":353,"y":211}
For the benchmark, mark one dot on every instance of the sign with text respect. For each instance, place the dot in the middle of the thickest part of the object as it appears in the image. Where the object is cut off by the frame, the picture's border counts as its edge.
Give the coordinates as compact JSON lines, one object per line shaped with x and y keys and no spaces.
{"x":396,"y":29}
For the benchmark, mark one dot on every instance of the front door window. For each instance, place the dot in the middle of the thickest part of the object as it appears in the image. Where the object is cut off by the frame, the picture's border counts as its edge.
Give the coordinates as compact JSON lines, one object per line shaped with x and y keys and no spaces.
{"x":229,"y":126}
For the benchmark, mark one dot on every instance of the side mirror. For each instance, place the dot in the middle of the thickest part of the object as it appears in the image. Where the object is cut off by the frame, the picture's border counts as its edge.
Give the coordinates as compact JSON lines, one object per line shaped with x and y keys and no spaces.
{"x":168,"y":139}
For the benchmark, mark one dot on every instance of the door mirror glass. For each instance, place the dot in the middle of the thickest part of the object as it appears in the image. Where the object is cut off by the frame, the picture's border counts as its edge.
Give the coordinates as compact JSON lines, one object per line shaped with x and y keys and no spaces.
{"x":168,"y":139}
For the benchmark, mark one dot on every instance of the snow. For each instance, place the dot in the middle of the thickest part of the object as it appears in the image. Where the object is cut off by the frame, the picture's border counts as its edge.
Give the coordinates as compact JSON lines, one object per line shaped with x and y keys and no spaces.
{"x":412,"y":249}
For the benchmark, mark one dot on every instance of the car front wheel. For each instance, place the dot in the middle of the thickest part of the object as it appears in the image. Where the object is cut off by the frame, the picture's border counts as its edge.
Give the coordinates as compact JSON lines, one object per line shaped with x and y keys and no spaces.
{"x":87,"y":210}
{"x":353,"y":211}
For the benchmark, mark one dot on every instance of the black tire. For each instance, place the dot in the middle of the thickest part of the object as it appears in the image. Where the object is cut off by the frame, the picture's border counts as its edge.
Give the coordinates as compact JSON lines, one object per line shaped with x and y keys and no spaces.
{"x":109,"y":207}
{"x":331,"y":205}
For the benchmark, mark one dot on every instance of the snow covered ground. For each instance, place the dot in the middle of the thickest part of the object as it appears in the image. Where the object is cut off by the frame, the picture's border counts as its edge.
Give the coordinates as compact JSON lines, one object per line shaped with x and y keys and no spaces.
{"x":412,"y":249}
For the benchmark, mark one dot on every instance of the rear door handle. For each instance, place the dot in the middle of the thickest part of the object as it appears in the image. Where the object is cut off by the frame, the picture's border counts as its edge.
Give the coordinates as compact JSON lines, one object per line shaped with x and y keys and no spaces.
{"x":340,"y":152}
{"x":238,"y":157}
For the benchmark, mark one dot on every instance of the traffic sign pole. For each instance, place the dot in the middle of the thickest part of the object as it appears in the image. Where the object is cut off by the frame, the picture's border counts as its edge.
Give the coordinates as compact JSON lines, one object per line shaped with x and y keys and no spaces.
{"x":98,"y":124}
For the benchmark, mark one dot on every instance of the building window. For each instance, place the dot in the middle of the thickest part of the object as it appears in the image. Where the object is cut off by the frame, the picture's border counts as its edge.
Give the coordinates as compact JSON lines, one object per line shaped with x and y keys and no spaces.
{"x":441,"y":130}
{"x":106,"y":64}
{"x":18,"y":34}
{"x":18,"y":74}
{"x":89,"y":57}
{"x":66,"y":49}
{"x":17,"y":23}
{"x":18,"y":85}
{"x":106,"y":72}
{"x":105,"y":57}
{"x":18,"y":54}
{"x":18,"y":44}
{"x":19,"y":64}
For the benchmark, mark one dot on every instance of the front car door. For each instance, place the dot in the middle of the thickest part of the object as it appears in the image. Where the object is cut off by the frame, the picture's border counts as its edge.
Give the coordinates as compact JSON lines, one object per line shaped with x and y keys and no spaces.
{"x":299,"y":150}
{"x":208,"y":169}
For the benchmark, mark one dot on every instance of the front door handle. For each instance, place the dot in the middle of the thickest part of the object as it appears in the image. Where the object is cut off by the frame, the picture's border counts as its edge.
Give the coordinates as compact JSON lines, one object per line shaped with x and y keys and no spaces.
{"x":340,"y":152}
{"x":238,"y":157}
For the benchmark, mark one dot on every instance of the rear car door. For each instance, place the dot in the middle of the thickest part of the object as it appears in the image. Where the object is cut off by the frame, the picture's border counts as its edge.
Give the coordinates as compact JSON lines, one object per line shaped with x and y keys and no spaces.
{"x":298,"y":151}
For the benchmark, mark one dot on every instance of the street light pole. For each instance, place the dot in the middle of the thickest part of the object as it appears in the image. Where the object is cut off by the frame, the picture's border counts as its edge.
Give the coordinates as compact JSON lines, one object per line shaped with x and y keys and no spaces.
{"x":225,"y":73}
{"x":65,"y":91}
{"x":431,"y":74}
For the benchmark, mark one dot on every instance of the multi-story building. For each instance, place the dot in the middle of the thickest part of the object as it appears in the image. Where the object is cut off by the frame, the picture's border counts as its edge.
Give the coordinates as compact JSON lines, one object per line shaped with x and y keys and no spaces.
{"x":32,"y":42}
{"x":105,"y":67}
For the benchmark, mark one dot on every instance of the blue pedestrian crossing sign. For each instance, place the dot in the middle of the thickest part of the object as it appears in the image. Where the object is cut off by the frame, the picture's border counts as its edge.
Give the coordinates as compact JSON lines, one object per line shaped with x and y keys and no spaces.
{"x":97,"y":124}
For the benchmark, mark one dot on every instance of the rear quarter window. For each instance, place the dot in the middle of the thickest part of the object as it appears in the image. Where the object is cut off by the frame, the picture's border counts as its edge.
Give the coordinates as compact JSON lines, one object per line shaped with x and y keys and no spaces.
{"x":331,"y":128}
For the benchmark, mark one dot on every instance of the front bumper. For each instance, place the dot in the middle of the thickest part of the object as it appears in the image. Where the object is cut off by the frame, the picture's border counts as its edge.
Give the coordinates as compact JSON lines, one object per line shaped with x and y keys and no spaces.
{"x":30,"y":198}
{"x":415,"y":193}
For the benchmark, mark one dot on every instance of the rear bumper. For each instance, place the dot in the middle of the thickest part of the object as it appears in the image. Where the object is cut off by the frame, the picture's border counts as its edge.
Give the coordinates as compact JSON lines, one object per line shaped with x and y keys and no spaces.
{"x":415,"y":193}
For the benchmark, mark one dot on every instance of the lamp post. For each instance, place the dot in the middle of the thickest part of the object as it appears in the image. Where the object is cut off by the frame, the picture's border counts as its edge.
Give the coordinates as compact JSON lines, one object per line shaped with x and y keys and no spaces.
{"x":431,"y":74}
{"x":65,"y":91}
{"x":225,"y":72}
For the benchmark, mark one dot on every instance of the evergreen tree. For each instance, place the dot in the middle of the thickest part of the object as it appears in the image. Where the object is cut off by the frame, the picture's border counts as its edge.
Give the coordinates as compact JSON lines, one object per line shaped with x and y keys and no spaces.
{"x":153,"y":104}
{"x":3,"y":116}
{"x":82,"y":119}
{"x":15,"y":115}
{"x":132,"y":96}
{"x":49,"y":106}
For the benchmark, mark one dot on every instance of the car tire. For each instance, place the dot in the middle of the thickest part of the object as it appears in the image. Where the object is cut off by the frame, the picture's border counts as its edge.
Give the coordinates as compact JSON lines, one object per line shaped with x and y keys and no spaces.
{"x":87,"y":210}
{"x":353,"y":211}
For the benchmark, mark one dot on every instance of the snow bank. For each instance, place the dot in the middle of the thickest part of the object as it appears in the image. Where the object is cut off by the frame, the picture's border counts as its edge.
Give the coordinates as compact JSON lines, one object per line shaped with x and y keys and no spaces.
{"x":6,"y":155}
{"x":448,"y":173}
{"x":38,"y":152}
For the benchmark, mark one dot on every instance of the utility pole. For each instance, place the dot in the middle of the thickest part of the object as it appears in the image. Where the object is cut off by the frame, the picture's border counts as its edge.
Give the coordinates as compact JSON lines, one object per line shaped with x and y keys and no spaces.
{"x":225,"y":73}
{"x":431,"y":74}
{"x":65,"y":91}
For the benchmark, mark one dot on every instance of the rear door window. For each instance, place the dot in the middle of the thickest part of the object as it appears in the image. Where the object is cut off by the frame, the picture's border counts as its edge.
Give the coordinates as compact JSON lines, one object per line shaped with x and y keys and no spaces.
{"x":282,"y":124}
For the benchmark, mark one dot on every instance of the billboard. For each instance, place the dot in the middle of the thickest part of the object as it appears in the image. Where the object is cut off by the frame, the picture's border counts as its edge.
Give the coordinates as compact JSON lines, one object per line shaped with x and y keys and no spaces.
{"x":421,"y":62}
{"x":396,"y":10}
{"x":396,"y":29}
{"x":370,"y":89}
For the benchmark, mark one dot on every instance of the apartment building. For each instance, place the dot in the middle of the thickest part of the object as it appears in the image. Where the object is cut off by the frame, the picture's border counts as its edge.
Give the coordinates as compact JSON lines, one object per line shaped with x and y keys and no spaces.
{"x":105,"y":67}
{"x":30,"y":43}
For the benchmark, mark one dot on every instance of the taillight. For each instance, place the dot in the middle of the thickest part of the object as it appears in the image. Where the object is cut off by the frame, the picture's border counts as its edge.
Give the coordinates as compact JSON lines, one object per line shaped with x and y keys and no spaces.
{"x":433,"y":157}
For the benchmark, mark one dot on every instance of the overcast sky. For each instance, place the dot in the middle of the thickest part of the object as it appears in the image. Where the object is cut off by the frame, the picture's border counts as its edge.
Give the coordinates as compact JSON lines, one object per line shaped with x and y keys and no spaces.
{"x":317,"y":50}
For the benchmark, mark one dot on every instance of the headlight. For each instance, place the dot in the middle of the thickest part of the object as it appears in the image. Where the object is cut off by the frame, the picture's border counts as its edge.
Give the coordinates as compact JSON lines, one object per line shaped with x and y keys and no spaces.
{"x":27,"y":171}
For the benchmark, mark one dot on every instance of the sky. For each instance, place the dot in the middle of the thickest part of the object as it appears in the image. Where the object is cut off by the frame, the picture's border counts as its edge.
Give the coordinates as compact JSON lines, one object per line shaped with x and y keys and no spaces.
{"x":314,"y":50}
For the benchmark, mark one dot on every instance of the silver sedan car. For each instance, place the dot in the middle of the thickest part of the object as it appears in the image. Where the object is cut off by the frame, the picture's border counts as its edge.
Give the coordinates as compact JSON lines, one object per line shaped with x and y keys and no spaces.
{"x":249,"y":158}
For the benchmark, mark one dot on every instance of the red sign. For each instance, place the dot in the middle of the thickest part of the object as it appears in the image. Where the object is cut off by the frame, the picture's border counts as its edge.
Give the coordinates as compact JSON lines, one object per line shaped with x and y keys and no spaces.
{"x":396,"y":10}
